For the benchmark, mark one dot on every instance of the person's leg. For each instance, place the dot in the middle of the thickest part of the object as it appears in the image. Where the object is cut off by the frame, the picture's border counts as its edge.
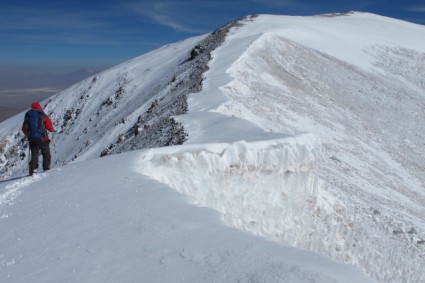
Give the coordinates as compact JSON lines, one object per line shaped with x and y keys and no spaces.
{"x":45,"y":151}
{"x":35,"y":151}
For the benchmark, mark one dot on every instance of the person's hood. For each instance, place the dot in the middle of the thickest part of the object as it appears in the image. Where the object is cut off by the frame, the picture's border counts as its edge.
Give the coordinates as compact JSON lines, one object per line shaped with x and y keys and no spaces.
{"x":36,"y":105}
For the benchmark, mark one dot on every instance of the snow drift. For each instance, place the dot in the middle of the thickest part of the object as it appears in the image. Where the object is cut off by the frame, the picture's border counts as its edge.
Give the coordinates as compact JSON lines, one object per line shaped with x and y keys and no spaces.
{"x":259,"y":186}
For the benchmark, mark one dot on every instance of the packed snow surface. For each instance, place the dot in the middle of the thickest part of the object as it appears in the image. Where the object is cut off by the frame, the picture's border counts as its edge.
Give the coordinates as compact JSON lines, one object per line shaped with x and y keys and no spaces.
{"x":307,"y":131}
{"x":114,"y":224}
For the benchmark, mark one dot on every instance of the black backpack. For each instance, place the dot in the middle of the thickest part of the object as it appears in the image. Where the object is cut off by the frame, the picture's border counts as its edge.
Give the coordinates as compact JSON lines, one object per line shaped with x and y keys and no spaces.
{"x":34,"y":120}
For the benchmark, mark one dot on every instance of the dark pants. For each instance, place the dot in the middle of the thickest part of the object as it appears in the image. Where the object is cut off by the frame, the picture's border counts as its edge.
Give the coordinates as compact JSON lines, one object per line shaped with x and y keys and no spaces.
{"x":36,"y":147}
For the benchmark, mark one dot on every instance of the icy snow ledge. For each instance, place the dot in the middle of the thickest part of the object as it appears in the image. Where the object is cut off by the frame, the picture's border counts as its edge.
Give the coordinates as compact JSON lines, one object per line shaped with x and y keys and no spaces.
{"x":267,"y":187}
{"x":271,"y":189}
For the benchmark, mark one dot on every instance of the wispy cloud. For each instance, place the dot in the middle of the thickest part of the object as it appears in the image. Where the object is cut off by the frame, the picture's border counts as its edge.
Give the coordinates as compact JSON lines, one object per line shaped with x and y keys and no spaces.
{"x":418,"y":9}
{"x":181,"y":16}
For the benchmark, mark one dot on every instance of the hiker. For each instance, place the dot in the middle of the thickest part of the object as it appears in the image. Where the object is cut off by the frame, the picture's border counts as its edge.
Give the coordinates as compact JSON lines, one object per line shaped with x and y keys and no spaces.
{"x":35,"y":127}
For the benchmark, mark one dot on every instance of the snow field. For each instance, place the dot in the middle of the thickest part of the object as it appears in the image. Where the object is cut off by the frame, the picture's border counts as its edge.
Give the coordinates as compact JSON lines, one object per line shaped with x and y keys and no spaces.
{"x":117,"y":225}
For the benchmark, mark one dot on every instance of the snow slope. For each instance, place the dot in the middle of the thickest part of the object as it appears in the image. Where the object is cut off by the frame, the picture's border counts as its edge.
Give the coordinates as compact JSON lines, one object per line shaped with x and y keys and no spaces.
{"x":306,"y":131}
{"x":117,"y":225}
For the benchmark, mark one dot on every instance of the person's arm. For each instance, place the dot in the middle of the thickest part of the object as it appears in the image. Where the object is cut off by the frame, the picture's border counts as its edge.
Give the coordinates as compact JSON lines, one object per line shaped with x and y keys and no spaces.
{"x":24,"y":128}
{"x":48,"y":124}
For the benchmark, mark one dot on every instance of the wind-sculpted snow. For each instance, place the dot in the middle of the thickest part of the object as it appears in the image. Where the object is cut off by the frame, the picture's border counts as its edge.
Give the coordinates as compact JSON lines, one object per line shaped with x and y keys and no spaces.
{"x":267,"y":187}
{"x":271,"y":188}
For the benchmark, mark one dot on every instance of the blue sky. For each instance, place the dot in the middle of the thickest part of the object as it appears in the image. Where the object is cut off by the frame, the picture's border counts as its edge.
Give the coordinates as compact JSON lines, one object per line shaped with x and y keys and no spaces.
{"x":37,"y":34}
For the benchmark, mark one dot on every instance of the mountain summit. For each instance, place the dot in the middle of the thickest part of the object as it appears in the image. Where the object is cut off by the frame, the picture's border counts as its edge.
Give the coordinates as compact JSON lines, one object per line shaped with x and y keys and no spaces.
{"x":303,"y":130}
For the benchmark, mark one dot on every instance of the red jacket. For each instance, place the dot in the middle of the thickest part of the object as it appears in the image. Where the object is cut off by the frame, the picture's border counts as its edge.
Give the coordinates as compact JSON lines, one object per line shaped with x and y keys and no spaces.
{"x":47,"y":122}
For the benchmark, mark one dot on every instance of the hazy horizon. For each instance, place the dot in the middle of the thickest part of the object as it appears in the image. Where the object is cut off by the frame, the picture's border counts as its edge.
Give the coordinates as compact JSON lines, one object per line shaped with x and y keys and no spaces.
{"x":22,"y":85}
{"x":12,"y":104}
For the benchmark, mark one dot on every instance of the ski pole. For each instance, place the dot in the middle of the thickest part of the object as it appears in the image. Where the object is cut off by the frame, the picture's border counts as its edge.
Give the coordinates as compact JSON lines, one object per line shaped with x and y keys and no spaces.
{"x":53,"y":141}
{"x":29,"y":154}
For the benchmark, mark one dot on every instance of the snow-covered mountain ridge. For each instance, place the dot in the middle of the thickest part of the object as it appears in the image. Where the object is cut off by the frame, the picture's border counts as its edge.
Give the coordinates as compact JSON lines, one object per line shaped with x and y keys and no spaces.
{"x":356,"y":82}
{"x":104,"y":113}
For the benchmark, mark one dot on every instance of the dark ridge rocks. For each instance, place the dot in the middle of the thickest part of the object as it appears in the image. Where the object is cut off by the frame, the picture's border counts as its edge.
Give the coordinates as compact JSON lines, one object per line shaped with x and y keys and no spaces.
{"x":156,"y":127}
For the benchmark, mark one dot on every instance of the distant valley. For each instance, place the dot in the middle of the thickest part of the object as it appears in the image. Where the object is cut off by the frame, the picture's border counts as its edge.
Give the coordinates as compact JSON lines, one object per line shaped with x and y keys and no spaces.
{"x":17,"y":92}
